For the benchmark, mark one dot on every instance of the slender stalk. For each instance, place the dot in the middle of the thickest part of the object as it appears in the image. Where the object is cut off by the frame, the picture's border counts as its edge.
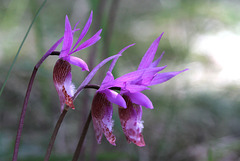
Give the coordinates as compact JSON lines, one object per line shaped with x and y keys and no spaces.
{"x":21,"y":121}
{"x":58,"y":124}
{"x":85,"y":129}
{"x":24,"y":108}
{"x":54,"y":134}
{"x":82,"y":138}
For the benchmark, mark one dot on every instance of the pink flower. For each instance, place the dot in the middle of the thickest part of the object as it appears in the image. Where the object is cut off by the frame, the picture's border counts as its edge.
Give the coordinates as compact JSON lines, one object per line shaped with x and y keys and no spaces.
{"x":62,"y":76}
{"x":130,"y":100}
{"x":102,"y":108}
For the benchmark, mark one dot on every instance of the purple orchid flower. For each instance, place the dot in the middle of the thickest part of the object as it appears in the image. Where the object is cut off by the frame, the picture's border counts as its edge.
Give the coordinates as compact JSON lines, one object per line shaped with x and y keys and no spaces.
{"x":102,"y":107}
{"x":62,"y":76}
{"x":131,"y":84}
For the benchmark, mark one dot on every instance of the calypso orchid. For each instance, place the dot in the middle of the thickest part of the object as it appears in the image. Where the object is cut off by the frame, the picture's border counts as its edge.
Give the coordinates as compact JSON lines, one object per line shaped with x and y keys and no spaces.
{"x":130,"y":100}
{"x":62,"y":76}
{"x":102,"y":108}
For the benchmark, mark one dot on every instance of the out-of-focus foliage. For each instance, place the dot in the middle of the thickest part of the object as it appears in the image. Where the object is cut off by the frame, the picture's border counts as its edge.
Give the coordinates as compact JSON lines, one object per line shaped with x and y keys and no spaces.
{"x":196,"y":115}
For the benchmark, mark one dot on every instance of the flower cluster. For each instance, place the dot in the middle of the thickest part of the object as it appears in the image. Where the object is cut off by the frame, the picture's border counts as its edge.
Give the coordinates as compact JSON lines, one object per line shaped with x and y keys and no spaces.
{"x":130,"y":99}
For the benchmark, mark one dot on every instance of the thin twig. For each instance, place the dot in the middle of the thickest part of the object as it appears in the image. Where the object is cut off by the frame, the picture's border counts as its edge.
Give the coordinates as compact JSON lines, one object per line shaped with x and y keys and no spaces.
{"x":24,"y":108}
{"x":82,"y":138}
{"x":85,"y":129}
{"x":54,"y":134}
{"x":21,"y":121}
{"x":58,"y":124}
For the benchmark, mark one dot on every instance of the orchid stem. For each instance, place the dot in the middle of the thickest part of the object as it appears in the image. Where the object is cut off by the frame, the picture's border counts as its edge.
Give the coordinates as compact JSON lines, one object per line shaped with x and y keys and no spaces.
{"x":82,"y":138}
{"x":21,"y":121}
{"x":59,"y":122}
{"x":24,"y":108}
{"x":53,"y":137}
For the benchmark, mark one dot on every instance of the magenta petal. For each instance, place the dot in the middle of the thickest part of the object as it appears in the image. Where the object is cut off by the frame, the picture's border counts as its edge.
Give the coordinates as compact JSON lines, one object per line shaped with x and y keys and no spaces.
{"x":120,"y":54}
{"x":128,"y":77}
{"x":156,"y":62}
{"x":92,"y":73}
{"x":140,"y":99}
{"x":68,"y":39}
{"x":131,"y":122}
{"x":109,"y":78}
{"x":78,"y":62}
{"x":51,"y":50}
{"x":85,"y":30}
{"x":149,"y":75}
{"x":89,"y":42}
{"x":102,"y":118}
{"x":114,"y":97}
{"x":132,"y":88}
{"x":139,"y":77}
{"x":136,"y":75}
{"x":75,"y":27}
{"x":163,"y":77}
{"x":149,"y":55}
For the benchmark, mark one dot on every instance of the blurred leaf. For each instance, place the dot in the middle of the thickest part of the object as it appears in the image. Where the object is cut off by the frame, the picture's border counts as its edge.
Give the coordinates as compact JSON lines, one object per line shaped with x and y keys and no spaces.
{"x":20,"y":47}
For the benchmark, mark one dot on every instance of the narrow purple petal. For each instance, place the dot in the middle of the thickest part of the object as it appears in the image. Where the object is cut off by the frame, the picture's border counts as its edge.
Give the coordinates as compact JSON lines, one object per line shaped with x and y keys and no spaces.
{"x":149,"y":75}
{"x":132,"y":88}
{"x":84,"y":31}
{"x":74,"y":30}
{"x":132,"y":76}
{"x":163,"y":77}
{"x":156,"y":62}
{"x":109,"y":78}
{"x":75,"y":27}
{"x":128,"y":77}
{"x":92,"y":73}
{"x":114,"y":97}
{"x":120,"y":54}
{"x":140,"y":99}
{"x":89,"y":42}
{"x":149,"y":55}
{"x":50,"y":51}
{"x":78,"y":62}
{"x":68,"y":39}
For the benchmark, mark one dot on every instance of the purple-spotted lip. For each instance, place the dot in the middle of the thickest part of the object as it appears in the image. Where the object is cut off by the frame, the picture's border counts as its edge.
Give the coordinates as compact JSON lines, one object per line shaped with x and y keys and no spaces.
{"x":62,"y":79}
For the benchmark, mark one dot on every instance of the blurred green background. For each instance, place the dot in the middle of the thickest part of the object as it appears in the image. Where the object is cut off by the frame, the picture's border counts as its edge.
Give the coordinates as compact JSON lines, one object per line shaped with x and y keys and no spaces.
{"x":196,"y":115}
